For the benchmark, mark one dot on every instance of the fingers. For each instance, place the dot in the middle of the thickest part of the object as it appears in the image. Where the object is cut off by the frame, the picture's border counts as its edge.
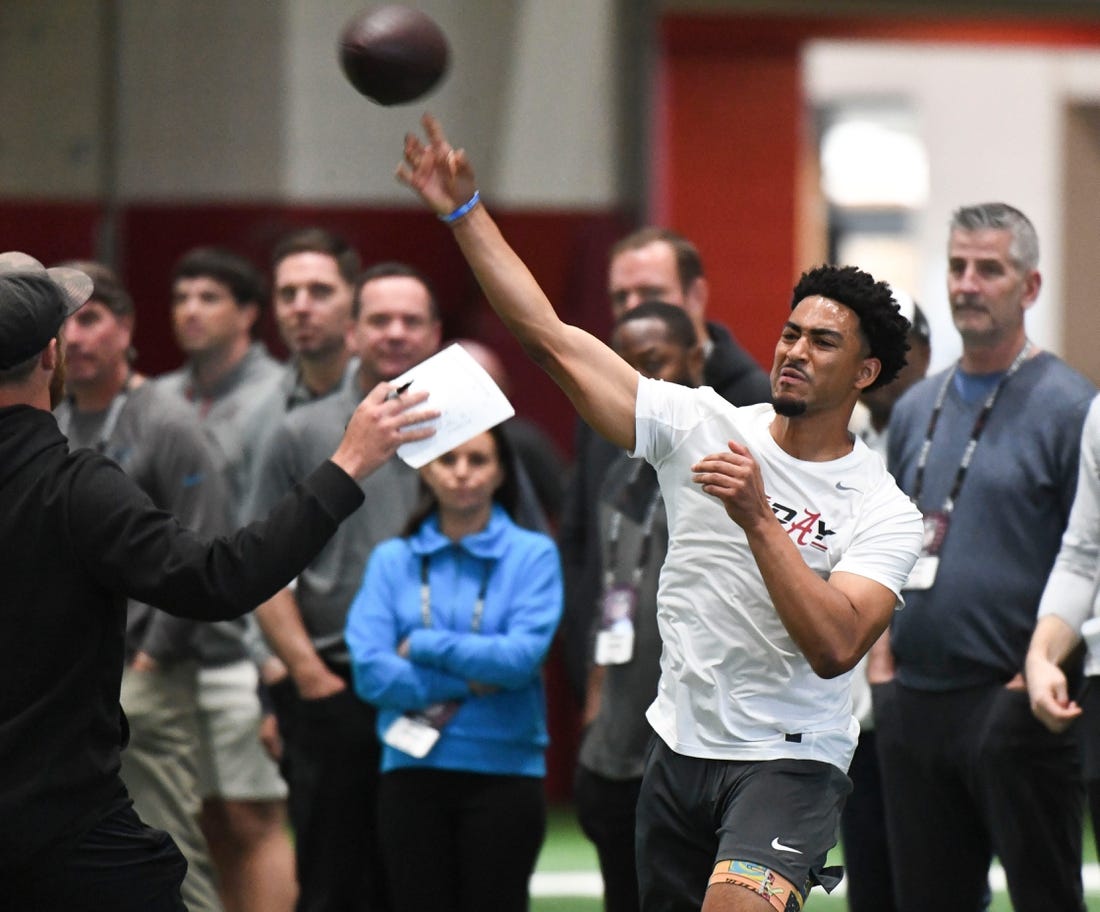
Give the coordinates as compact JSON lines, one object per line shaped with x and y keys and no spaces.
{"x":406,"y":420}
{"x":720,"y":472}
{"x":386,"y":396}
{"x":738,"y":455}
{"x":1056,"y":717}
{"x":413,"y":434}
{"x":418,"y":161}
{"x":438,"y":145}
{"x":382,"y":392}
{"x":413,"y":148}
{"x":434,"y":130}
{"x":1049,"y":697}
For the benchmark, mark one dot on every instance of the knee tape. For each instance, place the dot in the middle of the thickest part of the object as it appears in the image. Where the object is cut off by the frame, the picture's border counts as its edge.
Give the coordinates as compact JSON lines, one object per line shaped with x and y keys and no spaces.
{"x":775,"y":888}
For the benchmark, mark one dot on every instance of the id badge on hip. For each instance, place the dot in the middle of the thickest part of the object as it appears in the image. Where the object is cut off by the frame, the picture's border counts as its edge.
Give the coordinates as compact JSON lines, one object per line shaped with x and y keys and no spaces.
{"x":615,"y":638}
{"x":924,"y":571}
{"x":416,"y":733}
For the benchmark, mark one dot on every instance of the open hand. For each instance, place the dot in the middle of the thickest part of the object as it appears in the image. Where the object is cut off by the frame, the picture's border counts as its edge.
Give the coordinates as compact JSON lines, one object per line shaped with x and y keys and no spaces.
{"x":440,"y":174}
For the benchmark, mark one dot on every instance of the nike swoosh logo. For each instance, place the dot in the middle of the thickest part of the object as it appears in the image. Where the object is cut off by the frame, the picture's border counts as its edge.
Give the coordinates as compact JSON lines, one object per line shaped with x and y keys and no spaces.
{"x":841,"y":486}
{"x":779,"y":847}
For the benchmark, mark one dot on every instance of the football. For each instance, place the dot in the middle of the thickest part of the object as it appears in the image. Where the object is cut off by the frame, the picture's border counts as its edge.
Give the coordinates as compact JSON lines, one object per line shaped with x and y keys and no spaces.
{"x":393,"y":54}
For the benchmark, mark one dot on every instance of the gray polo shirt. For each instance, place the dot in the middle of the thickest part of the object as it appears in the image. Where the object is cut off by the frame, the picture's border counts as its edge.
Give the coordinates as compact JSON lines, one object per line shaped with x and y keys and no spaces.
{"x":324,"y":590}
{"x":615,"y":743}
{"x":235,"y":412}
{"x":155,"y":439}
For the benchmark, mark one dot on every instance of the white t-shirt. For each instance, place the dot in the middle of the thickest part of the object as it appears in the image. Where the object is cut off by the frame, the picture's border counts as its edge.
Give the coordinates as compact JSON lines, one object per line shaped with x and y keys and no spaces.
{"x":861,"y":688}
{"x":733,"y":684}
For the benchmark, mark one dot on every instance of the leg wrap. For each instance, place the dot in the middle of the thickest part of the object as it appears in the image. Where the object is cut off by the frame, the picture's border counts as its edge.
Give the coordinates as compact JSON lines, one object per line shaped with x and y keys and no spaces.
{"x":775,"y":888}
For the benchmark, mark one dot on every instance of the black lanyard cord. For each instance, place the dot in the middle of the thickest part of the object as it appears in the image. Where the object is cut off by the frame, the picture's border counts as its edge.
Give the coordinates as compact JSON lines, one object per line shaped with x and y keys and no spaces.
{"x":975,"y":433}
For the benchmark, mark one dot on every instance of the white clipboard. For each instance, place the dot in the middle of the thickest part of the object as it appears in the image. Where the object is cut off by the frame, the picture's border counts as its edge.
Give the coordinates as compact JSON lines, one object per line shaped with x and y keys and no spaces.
{"x":468,"y":400}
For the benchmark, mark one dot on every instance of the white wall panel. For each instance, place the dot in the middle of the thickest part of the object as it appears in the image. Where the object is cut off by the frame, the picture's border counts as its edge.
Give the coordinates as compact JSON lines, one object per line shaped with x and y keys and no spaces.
{"x":50,"y":143}
{"x":991,"y":122}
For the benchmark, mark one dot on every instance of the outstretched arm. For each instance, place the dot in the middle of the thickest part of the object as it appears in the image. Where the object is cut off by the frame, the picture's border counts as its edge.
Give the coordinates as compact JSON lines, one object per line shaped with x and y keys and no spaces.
{"x":601,"y":386}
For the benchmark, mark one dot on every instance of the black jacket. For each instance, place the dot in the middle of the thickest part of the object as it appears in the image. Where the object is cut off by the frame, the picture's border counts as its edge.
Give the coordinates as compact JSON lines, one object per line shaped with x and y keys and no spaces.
{"x":76,"y":537}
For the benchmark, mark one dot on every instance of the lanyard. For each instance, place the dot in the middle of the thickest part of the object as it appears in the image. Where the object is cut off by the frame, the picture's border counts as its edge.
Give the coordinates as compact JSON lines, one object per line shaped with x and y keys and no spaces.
{"x":614,"y":529}
{"x":975,"y":433}
{"x":114,"y":410}
{"x":426,"y":595}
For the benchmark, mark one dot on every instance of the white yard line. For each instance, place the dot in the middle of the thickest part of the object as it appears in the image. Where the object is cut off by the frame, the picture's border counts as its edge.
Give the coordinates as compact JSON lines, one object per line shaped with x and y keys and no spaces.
{"x":589,"y":883}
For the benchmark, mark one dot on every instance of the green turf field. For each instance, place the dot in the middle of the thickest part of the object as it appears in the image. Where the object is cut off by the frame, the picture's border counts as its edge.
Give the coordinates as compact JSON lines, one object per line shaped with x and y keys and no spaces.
{"x":568,"y":862}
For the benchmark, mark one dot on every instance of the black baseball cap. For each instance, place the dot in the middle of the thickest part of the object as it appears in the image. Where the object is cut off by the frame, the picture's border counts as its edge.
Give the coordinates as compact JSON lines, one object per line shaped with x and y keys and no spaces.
{"x":30,"y":314}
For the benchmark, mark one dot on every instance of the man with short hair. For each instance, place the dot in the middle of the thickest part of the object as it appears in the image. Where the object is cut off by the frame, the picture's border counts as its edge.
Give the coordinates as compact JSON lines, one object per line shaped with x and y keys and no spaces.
{"x":229,"y":380}
{"x":988,"y":451}
{"x":155,"y":439}
{"x":331,"y":750}
{"x":658,"y":264}
{"x":788,"y":546}
{"x":77,"y":537}
{"x":217,"y":301}
{"x":651,"y":264}
{"x":313,"y":288}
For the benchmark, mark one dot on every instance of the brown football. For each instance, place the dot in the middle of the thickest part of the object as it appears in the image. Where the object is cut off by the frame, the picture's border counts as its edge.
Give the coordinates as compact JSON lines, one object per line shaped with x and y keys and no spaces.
{"x":393,"y":54}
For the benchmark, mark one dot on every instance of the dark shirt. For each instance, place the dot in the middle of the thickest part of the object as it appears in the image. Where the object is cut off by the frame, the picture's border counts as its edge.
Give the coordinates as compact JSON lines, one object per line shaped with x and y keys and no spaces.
{"x":77,"y":536}
{"x":972,"y":627}
{"x":155,"y":440}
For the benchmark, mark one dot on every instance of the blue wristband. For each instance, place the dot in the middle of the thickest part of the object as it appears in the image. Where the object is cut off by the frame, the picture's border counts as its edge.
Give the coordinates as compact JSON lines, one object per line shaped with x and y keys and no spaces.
{"x":462,"y":210}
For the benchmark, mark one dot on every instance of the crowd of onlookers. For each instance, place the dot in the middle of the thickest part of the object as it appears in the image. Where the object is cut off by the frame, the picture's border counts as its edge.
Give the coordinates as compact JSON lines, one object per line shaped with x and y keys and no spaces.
{"x":373,"y":734}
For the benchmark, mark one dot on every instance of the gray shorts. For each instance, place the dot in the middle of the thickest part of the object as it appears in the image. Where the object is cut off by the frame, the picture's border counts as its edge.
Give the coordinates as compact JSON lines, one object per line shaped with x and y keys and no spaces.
{"x":692,"y":814}
{"x":233,"y":764}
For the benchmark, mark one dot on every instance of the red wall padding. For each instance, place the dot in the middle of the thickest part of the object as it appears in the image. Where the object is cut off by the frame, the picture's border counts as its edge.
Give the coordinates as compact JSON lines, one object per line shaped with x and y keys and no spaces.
{"x":567,"y":252}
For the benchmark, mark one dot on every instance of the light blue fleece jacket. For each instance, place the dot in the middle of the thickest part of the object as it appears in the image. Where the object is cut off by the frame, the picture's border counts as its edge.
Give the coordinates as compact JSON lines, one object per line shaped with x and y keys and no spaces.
{"x":503,"y":732}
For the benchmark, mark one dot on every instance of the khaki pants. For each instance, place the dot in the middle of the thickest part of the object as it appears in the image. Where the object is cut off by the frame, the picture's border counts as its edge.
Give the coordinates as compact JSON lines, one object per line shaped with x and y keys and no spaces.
{"x":160,"y":767}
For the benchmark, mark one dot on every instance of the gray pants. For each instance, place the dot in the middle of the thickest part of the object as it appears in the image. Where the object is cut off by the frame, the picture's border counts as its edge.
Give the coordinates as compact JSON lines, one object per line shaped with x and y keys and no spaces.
{"x":160,"y":768}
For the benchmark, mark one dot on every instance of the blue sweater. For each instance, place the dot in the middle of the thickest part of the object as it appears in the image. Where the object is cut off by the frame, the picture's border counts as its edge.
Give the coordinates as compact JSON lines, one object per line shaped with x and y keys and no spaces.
{"x":972,"y":628}
{"x":503,"y":732}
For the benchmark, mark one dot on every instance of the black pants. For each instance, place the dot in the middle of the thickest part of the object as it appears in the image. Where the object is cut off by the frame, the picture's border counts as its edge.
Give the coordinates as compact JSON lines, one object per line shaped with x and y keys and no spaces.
{"x":606,"y":810}
{"x":863,"y":832}
{"x":1089,"y":733}
{"x":330,"y":761}
{"x":970,"y":773}
{"x":460,"y":842}
{"x":120,"y":865}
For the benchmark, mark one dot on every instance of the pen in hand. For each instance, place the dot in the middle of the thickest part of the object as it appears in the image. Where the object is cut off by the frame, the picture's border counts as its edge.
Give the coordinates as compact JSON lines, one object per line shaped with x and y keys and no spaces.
{"x":393,"y":394}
